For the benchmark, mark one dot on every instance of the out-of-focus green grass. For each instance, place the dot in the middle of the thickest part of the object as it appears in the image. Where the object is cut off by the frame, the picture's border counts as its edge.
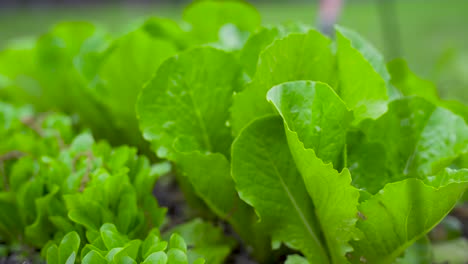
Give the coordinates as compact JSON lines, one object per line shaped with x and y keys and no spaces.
{"x":432,"y":31}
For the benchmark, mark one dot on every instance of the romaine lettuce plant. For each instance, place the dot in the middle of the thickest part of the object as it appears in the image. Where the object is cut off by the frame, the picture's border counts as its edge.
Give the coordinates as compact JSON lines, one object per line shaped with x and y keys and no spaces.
{"x":340,"y":158}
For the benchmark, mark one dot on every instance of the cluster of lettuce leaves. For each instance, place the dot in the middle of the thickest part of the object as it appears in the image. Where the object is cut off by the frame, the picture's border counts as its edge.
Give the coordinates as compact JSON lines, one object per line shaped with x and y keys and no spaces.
{"x":110,"y":246}
{"x":301,"y":143}
{"x":322,"y":149}
{"x":58,"y":184}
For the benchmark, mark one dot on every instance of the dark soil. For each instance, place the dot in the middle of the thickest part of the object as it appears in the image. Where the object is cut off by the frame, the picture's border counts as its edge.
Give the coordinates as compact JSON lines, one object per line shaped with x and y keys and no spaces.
{"x":461,"y":213}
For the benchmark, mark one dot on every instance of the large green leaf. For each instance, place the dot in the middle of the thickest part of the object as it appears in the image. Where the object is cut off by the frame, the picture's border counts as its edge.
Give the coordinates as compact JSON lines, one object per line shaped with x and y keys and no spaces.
{"x":190,"y":103}
{"x":403,"y":212}
{"x":266,"y":178}
{"x":316,"y":123}
{"x":295,"y":57}
{"x":184,"y":113}
{"x":362,"y":75}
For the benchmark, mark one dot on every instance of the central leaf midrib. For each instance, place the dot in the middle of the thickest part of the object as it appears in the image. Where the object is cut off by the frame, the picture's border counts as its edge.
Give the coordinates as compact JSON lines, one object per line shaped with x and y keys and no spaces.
{"x":297,"y":209}
{"x":201,"y":122}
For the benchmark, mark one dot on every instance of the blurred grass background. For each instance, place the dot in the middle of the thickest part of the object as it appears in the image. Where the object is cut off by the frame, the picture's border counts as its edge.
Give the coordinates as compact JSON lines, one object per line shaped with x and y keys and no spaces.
{"x":433,"y":33}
